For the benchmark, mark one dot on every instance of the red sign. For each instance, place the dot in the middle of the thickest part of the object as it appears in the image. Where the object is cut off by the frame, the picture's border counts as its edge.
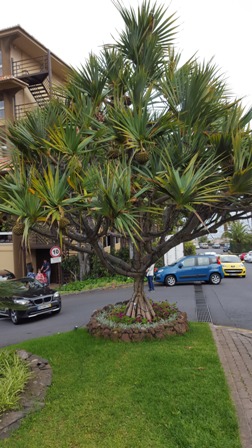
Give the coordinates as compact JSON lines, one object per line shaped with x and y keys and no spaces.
{"x":55,"y":251}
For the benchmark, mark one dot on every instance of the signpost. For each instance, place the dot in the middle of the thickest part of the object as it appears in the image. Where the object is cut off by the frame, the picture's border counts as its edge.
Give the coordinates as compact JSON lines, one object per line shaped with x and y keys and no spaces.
{"x":55,"y":253}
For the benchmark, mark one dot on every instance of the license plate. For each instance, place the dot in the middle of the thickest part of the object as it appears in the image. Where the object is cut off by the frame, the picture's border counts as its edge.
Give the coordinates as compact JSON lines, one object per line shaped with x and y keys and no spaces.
{"x":43,"y":306}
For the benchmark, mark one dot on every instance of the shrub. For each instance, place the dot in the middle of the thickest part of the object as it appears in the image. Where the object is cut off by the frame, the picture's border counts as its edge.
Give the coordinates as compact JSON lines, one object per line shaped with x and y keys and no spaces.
{"x":189,"y":248}
{"x":14,"y":374}
{"x":71,"y":267}
{"x":92,"y":283}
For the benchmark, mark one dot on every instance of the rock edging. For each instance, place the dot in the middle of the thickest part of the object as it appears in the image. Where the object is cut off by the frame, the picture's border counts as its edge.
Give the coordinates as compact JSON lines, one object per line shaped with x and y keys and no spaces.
{"x":33,"y":396}
{"x":132,"y":334}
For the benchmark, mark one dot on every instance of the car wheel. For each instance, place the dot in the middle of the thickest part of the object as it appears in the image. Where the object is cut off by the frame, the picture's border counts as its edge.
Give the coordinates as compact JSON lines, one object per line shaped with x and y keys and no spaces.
{"x":14,"y":317}
{"x":170,"y":280}
{"x":215,"y":278}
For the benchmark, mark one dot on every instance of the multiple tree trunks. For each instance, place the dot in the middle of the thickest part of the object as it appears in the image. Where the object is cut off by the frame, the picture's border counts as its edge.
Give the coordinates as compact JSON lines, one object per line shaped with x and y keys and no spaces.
{"x":139,"y":305}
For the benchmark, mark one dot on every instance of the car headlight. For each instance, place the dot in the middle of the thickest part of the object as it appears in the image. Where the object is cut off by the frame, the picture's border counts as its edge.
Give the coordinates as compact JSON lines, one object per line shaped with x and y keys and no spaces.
{"x":21,"y":301}
{"x":56,"y":295}
{"x":160,"y":270}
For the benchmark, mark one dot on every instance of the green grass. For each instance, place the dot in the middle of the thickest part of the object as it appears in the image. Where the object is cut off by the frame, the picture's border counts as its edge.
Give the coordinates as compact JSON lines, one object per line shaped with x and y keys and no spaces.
{"x":161,"y":394}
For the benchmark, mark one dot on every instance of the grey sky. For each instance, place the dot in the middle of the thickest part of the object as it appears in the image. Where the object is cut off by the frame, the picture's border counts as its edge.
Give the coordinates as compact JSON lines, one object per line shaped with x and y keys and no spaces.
{"x":219,"y":29}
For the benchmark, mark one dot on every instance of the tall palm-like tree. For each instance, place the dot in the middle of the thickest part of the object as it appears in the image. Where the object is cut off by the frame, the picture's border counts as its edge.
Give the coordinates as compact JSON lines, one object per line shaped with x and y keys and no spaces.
{"x":140,"y":148}
{"x":238,"y":234}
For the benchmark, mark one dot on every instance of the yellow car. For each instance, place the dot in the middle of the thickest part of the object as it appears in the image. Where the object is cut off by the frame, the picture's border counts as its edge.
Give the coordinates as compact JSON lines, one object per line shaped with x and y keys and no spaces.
{"x":232,"y":266}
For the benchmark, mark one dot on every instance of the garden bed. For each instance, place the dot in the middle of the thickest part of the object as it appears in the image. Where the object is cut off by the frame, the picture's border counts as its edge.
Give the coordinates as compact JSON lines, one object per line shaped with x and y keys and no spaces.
{"x":103,"y":328}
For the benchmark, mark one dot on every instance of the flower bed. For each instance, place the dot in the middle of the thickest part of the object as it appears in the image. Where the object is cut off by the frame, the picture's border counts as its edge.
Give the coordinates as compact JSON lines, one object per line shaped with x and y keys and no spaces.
{"x":100,"y":325}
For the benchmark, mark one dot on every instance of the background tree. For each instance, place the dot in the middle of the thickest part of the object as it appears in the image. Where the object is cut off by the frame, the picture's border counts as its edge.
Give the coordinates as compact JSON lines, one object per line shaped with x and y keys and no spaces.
{"x":239,"y":236}
{"x":189,"y":248}
{"x":140,"y":147}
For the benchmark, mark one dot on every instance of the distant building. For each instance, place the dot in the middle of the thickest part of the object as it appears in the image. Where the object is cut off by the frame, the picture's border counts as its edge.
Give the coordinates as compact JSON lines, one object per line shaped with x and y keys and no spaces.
{"x":28,"y":73}
{"x":173,"y":254}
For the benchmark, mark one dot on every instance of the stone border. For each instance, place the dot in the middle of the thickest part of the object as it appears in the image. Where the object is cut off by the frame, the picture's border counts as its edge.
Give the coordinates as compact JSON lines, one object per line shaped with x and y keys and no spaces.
{"x":33,"y":396}
{"x":177,"y":326}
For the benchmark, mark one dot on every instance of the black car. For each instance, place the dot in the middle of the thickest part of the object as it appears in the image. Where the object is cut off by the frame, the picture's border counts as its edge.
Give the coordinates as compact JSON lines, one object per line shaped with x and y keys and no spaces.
{"x":6,"y":275}
{"x":33,"y":299}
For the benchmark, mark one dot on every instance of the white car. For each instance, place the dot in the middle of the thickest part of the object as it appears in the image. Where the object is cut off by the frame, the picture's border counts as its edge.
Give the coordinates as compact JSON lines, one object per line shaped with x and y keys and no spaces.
{"x":248,"y":257}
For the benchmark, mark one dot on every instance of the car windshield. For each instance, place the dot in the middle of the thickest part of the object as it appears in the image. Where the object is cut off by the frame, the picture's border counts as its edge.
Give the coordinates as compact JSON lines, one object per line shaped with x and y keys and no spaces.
{"x":176,"y":262}
{"x":230,"y":259}
{"x":33,"y":283}
{"x":29,"y":283}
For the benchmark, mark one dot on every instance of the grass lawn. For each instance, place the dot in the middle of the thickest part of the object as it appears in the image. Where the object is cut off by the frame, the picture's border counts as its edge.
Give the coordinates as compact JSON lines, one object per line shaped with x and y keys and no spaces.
{"x":161,"y":394}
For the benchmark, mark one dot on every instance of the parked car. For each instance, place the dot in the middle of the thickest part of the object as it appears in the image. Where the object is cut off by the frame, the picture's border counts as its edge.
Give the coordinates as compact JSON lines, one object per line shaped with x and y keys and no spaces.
{"x":226,"y":248}
{"x":216,"y":246}
{"x":232,"y":266}
{"x":6,"y":275}
{"x":248,"y":257}
{"x":33,"y":300}
{"x":191,"y":268}
{"x":204,"y":246}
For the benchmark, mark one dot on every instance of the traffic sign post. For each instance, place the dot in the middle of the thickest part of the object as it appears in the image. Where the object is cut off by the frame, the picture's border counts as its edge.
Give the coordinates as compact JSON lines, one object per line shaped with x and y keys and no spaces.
{"x":55,"y":260}
{"x":55,"y":251}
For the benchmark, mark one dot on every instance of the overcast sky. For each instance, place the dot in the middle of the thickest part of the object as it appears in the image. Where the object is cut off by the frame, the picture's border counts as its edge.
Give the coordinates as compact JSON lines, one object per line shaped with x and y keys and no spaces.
{"x":216,"y":28}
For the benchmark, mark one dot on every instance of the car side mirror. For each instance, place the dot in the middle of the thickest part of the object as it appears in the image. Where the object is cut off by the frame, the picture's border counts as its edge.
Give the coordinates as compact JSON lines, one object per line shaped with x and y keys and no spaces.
{"x":180,"y":265}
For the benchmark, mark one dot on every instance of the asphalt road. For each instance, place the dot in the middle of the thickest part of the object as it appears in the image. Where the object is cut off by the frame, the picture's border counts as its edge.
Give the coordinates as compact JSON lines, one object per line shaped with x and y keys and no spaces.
{"x":229,"y":303}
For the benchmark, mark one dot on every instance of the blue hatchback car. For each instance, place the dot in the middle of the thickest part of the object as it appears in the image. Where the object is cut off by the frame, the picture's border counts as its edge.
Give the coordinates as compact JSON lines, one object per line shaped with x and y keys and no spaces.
{"x":193,"y":268}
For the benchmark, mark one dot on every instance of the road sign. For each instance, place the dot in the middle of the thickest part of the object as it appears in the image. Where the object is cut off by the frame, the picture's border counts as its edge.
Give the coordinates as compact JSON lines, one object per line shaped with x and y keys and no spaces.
{"x":55,"y":260}
{"x":55,"y":251}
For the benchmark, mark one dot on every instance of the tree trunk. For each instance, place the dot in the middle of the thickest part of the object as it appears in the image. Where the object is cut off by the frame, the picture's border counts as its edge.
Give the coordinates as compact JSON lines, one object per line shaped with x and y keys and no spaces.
{"x":84,"y":263}
{"x":139,"y":305}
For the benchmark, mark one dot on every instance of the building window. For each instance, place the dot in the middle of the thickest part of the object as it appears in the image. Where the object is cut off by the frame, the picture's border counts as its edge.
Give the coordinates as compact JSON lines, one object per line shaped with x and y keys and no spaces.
{"x":106,"y":241}
{"x":1,"y":64}
{"x":1,"y":107}
{"x":3,"y":148}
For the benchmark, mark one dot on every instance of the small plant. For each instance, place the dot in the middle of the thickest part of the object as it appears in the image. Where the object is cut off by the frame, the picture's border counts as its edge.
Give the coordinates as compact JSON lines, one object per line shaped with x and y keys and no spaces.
{"x":14,"y":374}
{"x":164,"y":311}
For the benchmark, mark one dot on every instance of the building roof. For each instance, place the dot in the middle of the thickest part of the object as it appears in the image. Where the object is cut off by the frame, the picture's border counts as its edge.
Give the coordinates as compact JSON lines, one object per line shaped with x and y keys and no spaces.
{"x":24,"y":40}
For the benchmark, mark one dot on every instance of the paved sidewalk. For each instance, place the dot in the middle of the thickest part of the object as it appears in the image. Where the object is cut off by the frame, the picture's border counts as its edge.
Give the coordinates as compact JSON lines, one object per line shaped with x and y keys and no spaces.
{"x":235,"y":350}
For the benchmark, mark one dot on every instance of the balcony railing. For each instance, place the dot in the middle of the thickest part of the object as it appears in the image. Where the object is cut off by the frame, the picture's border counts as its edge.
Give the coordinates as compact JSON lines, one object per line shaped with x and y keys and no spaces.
{"x":22,"y":68}
{"x":22,"y":109}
